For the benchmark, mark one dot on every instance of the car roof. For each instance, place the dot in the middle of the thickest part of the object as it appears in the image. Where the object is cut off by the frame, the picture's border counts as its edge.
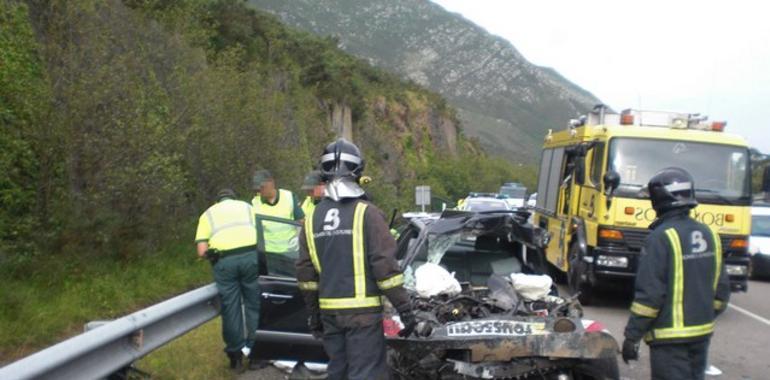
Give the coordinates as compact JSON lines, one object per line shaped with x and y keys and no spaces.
{"x":484,"y":199}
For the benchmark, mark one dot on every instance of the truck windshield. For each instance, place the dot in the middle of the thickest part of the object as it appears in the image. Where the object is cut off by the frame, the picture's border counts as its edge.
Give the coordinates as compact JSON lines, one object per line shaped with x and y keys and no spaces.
{"x":720,"y":171}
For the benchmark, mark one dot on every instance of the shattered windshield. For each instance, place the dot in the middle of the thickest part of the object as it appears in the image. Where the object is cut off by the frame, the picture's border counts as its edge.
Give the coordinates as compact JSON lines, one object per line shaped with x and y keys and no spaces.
{"x":470,"y":258}
{"x":438,"y":245}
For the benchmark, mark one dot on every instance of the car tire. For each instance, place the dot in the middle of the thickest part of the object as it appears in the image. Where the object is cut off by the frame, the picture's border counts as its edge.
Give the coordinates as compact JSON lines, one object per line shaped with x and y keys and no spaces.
{"x":575,"y":273}
{"x":597,"y":369}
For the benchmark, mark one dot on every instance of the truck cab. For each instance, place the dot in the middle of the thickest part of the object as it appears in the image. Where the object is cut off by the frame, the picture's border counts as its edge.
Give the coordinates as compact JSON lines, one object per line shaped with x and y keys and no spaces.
{"x":591,"y":191}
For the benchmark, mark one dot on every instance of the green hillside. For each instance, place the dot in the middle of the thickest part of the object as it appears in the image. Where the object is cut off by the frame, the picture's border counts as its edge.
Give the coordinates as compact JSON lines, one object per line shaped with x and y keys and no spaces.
{"x":504,"y":100}
{"x":119,"y":120}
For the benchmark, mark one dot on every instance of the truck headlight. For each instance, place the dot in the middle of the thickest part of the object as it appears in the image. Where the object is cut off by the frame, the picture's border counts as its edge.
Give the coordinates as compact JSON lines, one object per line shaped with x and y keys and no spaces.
{"x":737,"y":270}
{"x":612,"y":261}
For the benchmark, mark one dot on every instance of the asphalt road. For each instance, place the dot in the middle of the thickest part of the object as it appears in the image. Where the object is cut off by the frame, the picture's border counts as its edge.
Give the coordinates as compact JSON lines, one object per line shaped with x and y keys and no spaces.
{"x":740,"y":347}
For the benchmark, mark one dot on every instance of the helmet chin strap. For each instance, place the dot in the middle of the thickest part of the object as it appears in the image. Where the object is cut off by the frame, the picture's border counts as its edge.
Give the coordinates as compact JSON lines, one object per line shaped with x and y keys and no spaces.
{"x":341,"y":188}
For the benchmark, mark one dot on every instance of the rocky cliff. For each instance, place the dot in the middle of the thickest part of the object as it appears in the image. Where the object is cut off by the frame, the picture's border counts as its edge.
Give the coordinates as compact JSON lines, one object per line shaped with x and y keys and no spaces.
{"x":504,"y":100}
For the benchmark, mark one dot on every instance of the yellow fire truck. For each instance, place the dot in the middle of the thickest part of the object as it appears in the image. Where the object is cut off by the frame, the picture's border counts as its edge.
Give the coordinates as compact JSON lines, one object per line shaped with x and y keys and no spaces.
{"x":591,"y":196}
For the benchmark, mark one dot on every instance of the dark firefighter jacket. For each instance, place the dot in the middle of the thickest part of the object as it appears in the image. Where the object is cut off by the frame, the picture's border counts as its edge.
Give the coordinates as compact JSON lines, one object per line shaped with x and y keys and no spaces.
{"x":347,"y":259}
{"x":681,"y":284}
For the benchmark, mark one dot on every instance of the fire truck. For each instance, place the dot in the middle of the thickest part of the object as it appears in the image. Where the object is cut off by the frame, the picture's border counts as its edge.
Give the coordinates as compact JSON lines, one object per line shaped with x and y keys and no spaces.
{"x":592,"y":203}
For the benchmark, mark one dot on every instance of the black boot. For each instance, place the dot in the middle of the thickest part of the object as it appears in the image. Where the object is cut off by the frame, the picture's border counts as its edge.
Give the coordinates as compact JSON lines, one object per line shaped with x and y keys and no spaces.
{"x":236,"y":361}
{"x":256,"y":363}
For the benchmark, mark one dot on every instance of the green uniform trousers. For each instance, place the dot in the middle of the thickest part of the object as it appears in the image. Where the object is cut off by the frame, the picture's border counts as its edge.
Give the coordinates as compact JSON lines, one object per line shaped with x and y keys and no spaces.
{"x":236,"y":277}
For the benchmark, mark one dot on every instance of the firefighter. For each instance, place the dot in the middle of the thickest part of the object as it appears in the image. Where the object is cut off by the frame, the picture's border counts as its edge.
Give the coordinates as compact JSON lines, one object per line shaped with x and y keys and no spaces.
{"x":314,"y":187}
{"x":226,"y":237}
{"x":347,"y":261}
{"x":280,"y":238}
{"x":681,"y":284}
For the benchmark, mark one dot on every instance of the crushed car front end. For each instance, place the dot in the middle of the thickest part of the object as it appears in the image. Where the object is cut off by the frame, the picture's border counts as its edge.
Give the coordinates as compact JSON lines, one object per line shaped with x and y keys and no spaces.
{"x":491,"y":329}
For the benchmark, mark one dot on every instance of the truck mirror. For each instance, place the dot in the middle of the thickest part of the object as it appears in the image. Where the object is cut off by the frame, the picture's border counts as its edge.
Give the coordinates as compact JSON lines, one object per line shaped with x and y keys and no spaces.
{"x":611,"y":182}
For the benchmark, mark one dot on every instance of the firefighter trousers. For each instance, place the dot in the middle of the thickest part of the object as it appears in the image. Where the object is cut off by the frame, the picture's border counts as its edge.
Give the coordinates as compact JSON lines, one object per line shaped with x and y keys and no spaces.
{"x":355,"y":344}
{"x":679,"y":361}
{"x":236,"y":277}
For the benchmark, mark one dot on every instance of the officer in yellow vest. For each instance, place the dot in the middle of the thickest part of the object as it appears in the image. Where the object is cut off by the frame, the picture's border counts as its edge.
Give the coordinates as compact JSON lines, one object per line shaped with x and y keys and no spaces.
{"x":460,"y":204}
{"x":279,"y":237}
{"x":226,"y":236}
{"x":314,"y":187}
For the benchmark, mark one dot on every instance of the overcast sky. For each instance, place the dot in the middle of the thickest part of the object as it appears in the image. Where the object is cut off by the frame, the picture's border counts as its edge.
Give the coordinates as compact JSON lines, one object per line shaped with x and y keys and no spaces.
{"x":711,"y":57}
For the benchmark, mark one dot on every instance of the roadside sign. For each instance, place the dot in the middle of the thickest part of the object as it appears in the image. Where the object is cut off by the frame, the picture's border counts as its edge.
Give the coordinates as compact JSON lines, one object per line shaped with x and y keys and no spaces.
{"x":422,"y":196}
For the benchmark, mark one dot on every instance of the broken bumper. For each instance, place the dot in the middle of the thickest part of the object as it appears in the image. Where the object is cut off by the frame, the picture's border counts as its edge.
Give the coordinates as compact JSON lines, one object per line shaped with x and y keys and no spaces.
{"x":576,"y":345}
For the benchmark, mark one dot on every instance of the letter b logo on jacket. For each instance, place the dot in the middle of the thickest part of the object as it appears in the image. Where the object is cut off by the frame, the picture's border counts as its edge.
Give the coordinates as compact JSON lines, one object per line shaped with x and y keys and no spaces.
{"x":332,"y":219}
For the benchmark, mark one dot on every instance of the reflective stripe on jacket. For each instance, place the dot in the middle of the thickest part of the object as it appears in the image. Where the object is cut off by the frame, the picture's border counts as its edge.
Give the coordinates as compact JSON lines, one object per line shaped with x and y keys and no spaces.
{"x":308,"y":206}
{"x":342,"y":255}
{"x":349,"y":258}
{"x":681,"y":282}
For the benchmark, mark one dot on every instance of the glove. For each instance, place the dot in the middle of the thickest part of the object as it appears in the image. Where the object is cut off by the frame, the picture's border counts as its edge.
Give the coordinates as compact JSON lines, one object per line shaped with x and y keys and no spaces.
{"x":630,"y":350}
{"x":409,"y":321}
{"x":315,"y":325}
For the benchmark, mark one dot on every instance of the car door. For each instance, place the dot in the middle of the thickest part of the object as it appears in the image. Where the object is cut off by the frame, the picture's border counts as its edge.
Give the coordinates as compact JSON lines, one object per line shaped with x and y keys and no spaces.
{"x":551,"y":197}
{"x":283,"y":331}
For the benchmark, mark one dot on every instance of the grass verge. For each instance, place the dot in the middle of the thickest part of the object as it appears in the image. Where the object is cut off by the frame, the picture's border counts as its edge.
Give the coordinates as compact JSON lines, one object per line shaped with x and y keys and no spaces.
{"x":196,"y":355}
{"x":49,"y":300}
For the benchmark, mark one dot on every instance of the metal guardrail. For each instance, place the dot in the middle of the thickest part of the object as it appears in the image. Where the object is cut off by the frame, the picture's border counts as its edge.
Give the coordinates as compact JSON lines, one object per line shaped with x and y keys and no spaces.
{"x":114,"y":345}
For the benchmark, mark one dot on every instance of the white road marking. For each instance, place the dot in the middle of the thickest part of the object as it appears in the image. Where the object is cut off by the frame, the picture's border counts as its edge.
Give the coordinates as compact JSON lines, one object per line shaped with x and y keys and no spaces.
{"x":750,"y":314}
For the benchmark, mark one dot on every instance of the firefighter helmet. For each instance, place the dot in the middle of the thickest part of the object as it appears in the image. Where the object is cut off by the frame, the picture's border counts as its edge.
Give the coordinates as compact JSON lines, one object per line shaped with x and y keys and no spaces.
{"x":672,"y":188}
{"x":341,"y":159}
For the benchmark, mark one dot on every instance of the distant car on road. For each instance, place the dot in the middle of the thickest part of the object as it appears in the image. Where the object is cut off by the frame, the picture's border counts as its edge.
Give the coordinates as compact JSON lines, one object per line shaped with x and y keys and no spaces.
{"x":759,"y":241}
{"x":515,"y":196}
{"x":482,"y":204}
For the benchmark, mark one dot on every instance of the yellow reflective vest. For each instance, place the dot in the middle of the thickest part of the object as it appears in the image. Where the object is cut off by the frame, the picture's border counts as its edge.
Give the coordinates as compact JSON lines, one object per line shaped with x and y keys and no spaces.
{"x":227,"y":225}
{"x":308,"y":206}
{"x":279,"y":237}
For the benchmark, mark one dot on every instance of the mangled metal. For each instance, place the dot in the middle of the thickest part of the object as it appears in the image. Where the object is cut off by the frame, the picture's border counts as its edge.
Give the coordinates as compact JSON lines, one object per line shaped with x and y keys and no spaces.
{"x":490,"y":331}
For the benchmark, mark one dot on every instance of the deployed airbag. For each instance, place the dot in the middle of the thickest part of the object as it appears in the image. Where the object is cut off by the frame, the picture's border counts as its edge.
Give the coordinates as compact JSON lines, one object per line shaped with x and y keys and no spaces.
{"x":531,"y":287}
{"x":432,"y":280}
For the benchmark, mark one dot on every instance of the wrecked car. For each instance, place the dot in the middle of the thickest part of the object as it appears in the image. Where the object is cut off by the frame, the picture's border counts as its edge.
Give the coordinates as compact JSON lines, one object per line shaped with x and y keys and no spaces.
{"x":498,"y":320}
{"x":482,"y":312}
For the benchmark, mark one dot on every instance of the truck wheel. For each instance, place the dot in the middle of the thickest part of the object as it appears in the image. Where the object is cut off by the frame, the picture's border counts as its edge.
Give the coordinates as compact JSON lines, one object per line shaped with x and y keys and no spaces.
{"x":575,"y":277}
